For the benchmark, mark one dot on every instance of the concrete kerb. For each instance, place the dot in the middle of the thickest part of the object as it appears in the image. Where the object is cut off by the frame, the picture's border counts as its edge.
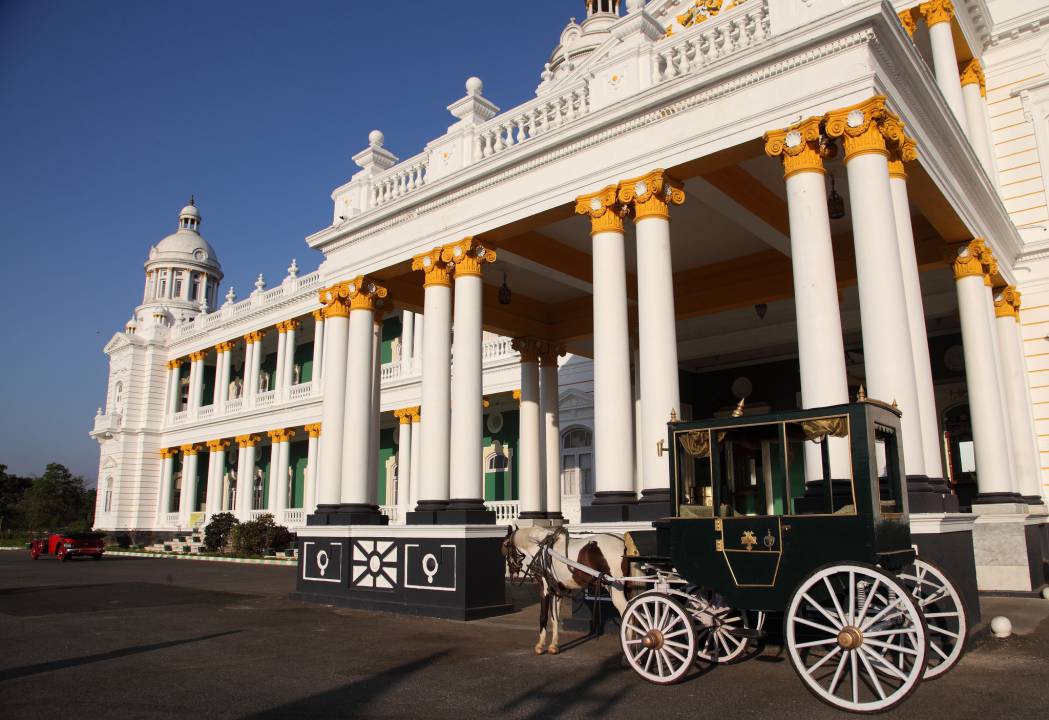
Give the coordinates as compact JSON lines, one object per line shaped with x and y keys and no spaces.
{"x":290,"y":562}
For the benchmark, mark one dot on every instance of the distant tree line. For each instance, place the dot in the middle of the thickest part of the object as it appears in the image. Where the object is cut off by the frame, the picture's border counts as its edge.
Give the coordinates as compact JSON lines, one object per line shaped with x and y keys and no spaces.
{"x":58,"y":499}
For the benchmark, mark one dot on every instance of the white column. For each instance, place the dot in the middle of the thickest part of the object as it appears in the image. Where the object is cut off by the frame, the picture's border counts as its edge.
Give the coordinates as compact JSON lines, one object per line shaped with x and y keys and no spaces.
{"x":246,"y":482}
{"x":417,"y":351}
{"x":991,"y":271}
{"x":1024,"y":444}
{"x":290,"y":330}
{"x":216,"y":463}
{"x":938,"y":14}
{"x":466,"y":465}
{"x":413,"y":486}
{"x":883,"y":309}
{"x":318,"y":349}
{"x":916,"y":325}
{"x":613,"y":422}
{"x":635,"y":389}
{"x":821,"y":352}
{"x":404,"y":460}
{"x":279,"y":462}
{"x":279,"y":388}
{"x":530,"y":488}
{"x":336,"y":329}
{"x":652,"y":196}
{"x":189,"y":484}
{"x":174,"y":368}
{"x":549,"y":399}
{"x":309,"y":500}
{"x":167,"y":474}
{"x":222,"y":374}
{"x":433,"y":479}
{"x":196,"y":380}
{"x":358,"y":406}
{"x":373,"y":413}
{"x":985,"y":407}
{"x":407,"y":340}
{"x":974,"y":97}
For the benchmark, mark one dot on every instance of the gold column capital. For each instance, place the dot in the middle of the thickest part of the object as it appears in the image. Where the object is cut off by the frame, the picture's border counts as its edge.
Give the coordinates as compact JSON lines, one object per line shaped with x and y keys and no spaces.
{"x":908,"y":21}
{"x":435,"y":270}
{"x":364,"y":293}
{"x":246,"y":441}
{"x":651,"y":195}
{"x":280,"y":435}
{"x":606,"y":214}
{"x":904,"y":152}
{"x":167,"y":453}
{"x":254,"y":336}
{"x":869,"y":127}
{"x":217,"y":445}
{"x":313,"y":430}
{"x":197,"y":355}
{"x":972,"y":72}
{"x":335,"y":300}
{"x":1007,"y":302}
{"x":936,"y":11}
{"x":174,"y":364}
{"x":801,"y":147}
{"x":966,"y":259}
{"x":407,"y":415}
{"x":528,"y":347}
{"x":416,"y":414}
{"x":468,"y":256}
{"x":190,"y":449}
{"x":517,"y":395}
{"x":318,"y":315}
{"x":549,"y":352}
{"x":225,"y":346}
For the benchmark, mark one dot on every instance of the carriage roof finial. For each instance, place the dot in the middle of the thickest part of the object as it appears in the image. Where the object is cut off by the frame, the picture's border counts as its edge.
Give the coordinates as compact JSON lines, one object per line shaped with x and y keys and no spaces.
{"x":738,"y":412}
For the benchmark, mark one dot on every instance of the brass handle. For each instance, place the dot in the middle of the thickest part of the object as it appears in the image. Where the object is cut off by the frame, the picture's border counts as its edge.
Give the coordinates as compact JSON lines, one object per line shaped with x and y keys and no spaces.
{"x":786,"y":528}
{"x":660,"y":447}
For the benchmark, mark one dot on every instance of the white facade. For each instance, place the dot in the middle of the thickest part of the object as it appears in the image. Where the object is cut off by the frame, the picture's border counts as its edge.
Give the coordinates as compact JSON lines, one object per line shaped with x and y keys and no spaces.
{"x":742,"y":271}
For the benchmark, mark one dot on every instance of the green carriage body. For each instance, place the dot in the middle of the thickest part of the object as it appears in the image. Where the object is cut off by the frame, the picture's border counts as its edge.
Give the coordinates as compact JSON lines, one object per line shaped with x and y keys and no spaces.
{"x":763,"y":521}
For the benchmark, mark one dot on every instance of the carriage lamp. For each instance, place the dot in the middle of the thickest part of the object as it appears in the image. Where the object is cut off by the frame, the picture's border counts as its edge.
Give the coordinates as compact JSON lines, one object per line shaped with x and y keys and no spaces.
{"x":504,"y":292}
{"x":835,"y":203}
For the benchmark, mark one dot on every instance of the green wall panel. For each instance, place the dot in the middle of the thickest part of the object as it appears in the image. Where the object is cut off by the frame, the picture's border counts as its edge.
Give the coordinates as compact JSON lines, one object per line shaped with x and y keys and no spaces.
{"x":386,"y":450}
{"x":502,"y":485}
{"x":297,"y":455}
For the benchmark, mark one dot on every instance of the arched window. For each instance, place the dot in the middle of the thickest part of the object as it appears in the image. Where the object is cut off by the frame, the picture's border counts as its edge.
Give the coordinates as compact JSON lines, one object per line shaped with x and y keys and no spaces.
{"x":577,"y":460}
{"x":118,"y":396}
{"x":497,"y":462}
{"x":576,"y":438}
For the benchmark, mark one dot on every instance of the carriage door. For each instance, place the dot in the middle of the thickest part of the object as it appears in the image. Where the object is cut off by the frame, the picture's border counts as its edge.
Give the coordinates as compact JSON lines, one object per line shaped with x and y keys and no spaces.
{"x":749,"y":470}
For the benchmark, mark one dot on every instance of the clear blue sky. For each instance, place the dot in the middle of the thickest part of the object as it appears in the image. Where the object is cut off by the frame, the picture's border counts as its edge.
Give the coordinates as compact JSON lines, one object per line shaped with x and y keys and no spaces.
{"x":112,"y":113}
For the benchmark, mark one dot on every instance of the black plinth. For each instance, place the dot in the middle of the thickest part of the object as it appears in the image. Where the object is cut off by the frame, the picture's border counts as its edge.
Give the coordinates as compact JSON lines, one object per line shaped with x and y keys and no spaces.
{"x":533,"y":515}
{"x":929,"y":495}
{"x":605,"y":513}
{"x":1033,"y":499}
{"x":347,"y":514}
{"x":456,"y":516}
{"x":998,"y":498}
{"x":651,"y":507}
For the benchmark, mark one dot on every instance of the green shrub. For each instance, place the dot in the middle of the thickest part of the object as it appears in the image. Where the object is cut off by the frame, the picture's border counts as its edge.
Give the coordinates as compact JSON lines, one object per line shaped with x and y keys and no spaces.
{"x":218,"y":532}
{"x":257,"y":536}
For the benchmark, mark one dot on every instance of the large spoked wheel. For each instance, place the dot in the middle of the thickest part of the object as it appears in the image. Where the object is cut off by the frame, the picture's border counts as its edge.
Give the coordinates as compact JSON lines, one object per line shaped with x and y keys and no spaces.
{"x":717,"y":624}
{"x":658,"y":638}
{"x":856,"y":637}
{"x":944,"y":615}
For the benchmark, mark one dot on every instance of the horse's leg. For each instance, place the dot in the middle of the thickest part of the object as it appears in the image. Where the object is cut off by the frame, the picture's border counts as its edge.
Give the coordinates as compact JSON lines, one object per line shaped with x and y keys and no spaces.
{"x":544,"y":604}
{"x":618,"y":599}
{"x":555,"y":632}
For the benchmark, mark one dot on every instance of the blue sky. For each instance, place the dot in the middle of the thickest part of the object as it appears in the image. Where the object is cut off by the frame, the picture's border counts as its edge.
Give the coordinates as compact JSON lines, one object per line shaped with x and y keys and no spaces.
{"x":113,"y":112}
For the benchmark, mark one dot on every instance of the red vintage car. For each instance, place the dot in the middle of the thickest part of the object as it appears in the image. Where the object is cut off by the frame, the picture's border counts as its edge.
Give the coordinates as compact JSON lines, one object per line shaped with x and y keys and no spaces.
{"x":66,"y":545}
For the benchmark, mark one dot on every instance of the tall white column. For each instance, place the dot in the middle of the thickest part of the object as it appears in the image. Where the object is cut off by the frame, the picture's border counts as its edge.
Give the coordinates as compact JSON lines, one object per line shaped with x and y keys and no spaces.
{"x":639,"y":436}
{"x":216,"y":468}
{"x":404,"y":459}
{"x":651,"y":196}
{"x":974,"y":95}
{"x":938,"y":14}
{"x":433,"y":478}
{"x":279,"y":388}
{"x":318,"y":349}
{"x":167,"y":475}
{"x":174,"y":368}
{"x":336,"y":332}
{"x":364,"y":294}
{"x":223,"y":356}
{"x":613,"y":422}
{"x":279,"y":463}
{"x":290,"y":331}
{"x":417,"y":437}
{"x":821,"y":352}
{"x":549,"y":399}
{"x":466,"y":465}
{"x":916,"y":325}
{"x":309,"y":500}
{"x":530,"y":489}
{"x":1024,"y":445}
{"x":253,"y":365}
{"x":407,"y":340}
{"x":196,"y":380}
{"x":985,"y":407}
{"x":189,"y":484}
{"x":373,"y":413}
{"x":417,"y":351}
{"x":866,"y":128}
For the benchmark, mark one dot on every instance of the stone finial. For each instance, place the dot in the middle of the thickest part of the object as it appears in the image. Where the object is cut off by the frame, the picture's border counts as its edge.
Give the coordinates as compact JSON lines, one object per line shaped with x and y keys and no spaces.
{"x":473,"y":109}
{"x":260,"y":283}
{"x":231,"y":296}
{"x":376,"y":138}
{"x":293,"y":269}
{"x":474,"y":86}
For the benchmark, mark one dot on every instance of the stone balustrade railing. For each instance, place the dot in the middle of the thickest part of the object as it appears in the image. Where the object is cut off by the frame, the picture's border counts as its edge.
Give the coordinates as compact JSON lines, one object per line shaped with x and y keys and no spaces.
{"x":391,"y":512}
{"x":171,"y":519}
{"x":300,"y":391}
{"x":504,"y":509}
{"x":293,"y":517}
{"x":530,"y":120}
{"x":399,"y":180}
{"x":723,"y":35}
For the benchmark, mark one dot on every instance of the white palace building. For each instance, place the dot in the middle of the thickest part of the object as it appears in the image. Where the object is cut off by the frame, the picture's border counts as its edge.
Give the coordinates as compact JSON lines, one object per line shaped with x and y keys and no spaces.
{"x":786,"y":203}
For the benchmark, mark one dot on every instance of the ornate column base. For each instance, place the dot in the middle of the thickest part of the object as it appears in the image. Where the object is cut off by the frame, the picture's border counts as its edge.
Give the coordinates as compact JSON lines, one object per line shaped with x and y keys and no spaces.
{"x":999,"y":502}
{"x":465,"y":511}
{"x":609,"y":506}
{"x":928,"y":495}
{"x":1033,"y":499}
{"x":347,"y":514}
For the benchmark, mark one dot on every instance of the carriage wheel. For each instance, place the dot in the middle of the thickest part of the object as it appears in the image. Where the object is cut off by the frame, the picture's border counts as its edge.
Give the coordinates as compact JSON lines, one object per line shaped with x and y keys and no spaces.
{"x":715,"y":622}
{"x":944,"y":615}
{"x":658,"y":638}
{"x":856,"y":637}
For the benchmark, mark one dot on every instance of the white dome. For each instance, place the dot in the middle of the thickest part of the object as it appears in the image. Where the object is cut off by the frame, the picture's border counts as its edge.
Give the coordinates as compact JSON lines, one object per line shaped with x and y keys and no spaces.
{"x":186,"y":243}
{"x":190,"y":210}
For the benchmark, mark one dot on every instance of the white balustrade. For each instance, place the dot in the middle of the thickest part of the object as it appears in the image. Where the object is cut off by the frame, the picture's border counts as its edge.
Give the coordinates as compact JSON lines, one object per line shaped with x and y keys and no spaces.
{"x":723,"y":35}
{"x":234,"y":406}
{"x":390,"y":511}
{"x":294,"y":517}
{"x":302,"y":390}
{"x":205,"y":411}
{"x":171,"y":519}
{"x":180,"y":417}
{"x":399,"y":180}
{"x":497,"y":349}
{"x":530,"y":120}
{"x":504,"y":509}
{"x":307,"y":282}
{"x":265,"y":399}
{"x":256,"y":514}
{"x":390,"y":371}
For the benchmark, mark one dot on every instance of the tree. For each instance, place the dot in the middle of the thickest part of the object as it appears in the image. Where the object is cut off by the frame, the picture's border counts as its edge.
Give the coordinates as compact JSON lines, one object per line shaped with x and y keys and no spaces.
{"x":58,"y":499}
{"x":12,"y":490}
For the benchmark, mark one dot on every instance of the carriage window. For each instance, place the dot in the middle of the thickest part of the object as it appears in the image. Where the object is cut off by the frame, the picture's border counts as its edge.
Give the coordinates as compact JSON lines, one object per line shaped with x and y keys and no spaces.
{"x":890,"y":477}
{"x":748,"y":470}
{"x":820,"y":466}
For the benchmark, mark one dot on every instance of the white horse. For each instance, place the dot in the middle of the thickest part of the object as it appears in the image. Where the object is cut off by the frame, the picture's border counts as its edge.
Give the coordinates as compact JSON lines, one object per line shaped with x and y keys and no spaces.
{"x":525,"y":550}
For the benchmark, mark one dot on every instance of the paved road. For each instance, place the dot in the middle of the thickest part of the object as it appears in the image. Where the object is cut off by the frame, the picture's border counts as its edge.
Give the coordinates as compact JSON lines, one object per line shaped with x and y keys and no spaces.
{"x":128,"y":638}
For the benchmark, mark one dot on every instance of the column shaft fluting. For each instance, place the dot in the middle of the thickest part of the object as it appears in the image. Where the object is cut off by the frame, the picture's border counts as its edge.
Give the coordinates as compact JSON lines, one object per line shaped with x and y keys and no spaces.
{"x":174,"y":368}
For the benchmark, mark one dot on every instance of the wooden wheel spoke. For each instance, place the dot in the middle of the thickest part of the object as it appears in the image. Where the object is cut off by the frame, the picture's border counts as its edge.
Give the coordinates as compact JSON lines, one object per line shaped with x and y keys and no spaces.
{"x":814,"y":643}
{"x":825,"y":658}
{"x":871,"y":674}
{"x":881,"y":663}
{"x":818,"y":626}
{"x":943,"y":631}
{"x":837,"y":672}
{"x":834,"y":599}
{"x":889,"y":646}
{"x":833,"y":621}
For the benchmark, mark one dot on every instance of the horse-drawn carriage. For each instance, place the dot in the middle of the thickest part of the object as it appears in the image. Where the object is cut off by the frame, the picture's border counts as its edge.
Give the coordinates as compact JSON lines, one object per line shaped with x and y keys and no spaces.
{"x":803,"y":513}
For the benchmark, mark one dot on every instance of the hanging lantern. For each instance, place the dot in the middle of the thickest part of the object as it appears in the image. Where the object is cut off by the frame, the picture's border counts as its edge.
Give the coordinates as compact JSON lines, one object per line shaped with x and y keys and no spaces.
{"x":504,"y":292}
{"x":835,"y":203}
